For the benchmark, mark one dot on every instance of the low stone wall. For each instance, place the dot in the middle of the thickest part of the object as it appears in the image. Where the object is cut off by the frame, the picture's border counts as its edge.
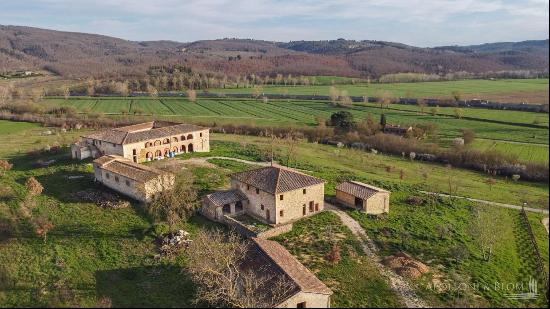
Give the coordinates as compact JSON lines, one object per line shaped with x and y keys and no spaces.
{"x":275,"y":231}
{"x":246,"y":232}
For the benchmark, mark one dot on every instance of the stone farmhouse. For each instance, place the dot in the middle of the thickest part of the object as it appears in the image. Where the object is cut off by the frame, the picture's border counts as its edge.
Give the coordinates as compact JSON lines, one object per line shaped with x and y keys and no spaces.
{"x":138,"y":181}
{"x":274,"y":195}
{"x":364,"y":197}
{"x":302,"y":288}
{"x":144,"y":142}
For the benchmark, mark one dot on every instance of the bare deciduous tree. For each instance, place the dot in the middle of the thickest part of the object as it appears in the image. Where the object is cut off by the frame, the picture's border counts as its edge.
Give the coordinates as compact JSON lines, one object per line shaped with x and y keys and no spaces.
{"x":42,"y":226}
{"x":485,"y":228}
{"x":422,"y":104}
{"x":457,"y":95}
{"x":334,"y":94}
{"x":192,"y":95}
{"x":384,"y":99}
{"x":217,"y":264}
{"x":34,"y":186}
{"x":177,"y":203}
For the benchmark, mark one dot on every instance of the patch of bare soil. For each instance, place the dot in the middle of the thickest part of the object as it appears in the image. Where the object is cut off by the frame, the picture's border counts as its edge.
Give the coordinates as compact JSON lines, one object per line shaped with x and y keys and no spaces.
{"x":169,"y":165}
{"x":201,"y":162}
{"x":406,"y":266}
{"x":101,"y":199}
{"x":532,"y":97}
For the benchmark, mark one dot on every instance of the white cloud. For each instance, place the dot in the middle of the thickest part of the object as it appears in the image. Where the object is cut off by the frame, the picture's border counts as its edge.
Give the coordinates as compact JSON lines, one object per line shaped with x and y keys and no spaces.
{"x":420,"y":22}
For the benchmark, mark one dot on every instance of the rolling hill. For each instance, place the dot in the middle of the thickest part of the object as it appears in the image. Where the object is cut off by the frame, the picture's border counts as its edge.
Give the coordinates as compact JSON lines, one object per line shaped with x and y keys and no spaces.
{"x":79,"y":55}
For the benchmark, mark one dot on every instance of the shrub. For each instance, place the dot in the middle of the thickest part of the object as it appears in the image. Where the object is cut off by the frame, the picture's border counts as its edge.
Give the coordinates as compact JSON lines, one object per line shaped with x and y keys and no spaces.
{"x":468,"y":135}
{"x":5,"y":165}
{"x":34,"y":186}
{"x":160,"y":229}
{"x":334,"y":255}
{"x":415,"y":200}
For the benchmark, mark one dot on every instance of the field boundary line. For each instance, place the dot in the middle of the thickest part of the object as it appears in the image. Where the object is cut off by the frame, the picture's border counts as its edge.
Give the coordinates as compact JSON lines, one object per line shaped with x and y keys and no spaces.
{"x":540,"y":263}
{"x":502,"y":205}
{"x":167,"y":106}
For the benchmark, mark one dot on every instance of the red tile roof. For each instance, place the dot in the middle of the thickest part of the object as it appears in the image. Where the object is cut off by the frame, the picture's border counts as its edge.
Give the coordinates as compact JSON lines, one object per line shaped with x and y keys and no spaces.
{"x":359,"y":189}
{"x":143,"y":132}
{"x":305,"y":280}
{"x":275,"y":179}
{"x":124,"y":167}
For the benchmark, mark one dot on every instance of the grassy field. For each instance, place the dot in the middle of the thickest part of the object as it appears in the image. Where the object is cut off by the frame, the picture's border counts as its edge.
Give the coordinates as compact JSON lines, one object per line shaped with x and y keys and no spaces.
{"x":310,"y":241}
{"x":529,"y":153}
{"x":93,"y":253}
{"x":303,"y":113}
{"x":434,"y":232}
{"x":527,"y":90}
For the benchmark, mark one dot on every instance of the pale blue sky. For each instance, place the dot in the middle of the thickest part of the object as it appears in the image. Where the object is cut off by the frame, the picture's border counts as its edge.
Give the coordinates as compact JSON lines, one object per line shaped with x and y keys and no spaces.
{"x":415,"y":22}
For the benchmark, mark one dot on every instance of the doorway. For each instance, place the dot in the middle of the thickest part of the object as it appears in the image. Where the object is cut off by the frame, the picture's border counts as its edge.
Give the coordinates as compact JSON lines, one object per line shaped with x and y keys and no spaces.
{"x":358,"y":203}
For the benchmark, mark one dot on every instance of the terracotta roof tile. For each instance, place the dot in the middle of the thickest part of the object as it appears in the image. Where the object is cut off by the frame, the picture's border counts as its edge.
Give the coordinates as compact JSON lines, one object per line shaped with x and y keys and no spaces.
{"x":124,"y":167}
{"x":298,"y":273}
{"x":274,"y":179}
{"x":143,"y":131}
{"x":221,"y":198}
{"x":359,"y":189}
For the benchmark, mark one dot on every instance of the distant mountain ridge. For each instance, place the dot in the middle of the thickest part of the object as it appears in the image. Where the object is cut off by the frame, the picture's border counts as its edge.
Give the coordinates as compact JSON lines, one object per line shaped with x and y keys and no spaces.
{"x":79,"y":55}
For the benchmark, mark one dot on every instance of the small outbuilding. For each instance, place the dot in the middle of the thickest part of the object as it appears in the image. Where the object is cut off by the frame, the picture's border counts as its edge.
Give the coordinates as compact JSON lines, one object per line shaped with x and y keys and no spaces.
{"x":273,"y":263}
{"x":363,"y":197}
{"x":137,"y":181}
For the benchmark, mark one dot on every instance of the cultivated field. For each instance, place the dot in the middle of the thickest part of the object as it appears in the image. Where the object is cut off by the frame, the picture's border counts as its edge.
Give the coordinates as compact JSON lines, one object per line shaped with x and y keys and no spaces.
{"x":506,"y":90}
{"x":94,"y":253}
{"x":528,"y":152}
{"x":490,"y":124}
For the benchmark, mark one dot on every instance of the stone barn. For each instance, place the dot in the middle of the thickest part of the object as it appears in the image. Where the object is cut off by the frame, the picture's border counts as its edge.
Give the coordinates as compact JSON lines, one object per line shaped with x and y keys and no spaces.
{"x":364,"y":197}
{"x":137,"y":181}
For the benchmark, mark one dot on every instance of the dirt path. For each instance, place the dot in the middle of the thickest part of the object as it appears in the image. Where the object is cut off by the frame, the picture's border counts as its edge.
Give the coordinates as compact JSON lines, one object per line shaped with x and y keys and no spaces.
{"x":509,"y":206}
{"x":397,"y":283}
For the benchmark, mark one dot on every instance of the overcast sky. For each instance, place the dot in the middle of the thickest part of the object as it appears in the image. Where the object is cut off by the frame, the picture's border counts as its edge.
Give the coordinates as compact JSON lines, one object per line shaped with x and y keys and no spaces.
{"x":415,"y":22}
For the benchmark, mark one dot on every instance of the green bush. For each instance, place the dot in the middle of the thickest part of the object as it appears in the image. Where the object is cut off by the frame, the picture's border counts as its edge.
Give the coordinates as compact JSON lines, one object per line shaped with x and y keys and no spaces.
{"x":160,"y":229}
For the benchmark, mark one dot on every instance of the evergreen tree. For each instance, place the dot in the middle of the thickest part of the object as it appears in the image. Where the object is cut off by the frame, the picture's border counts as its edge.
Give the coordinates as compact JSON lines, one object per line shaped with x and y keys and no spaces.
{"x":383,"y":120}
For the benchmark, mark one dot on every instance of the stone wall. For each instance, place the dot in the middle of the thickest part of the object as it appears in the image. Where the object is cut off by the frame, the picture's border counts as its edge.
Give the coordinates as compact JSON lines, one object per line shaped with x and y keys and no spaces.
{"x":276,"y":231}
{"x":293,"y":203}
{"x":377,"y":204}
{"x":246,"y":232}
{"x":139,"y":191}
{"x":310,"y":300}
{"x":255,"y":202}
{"x":345,"y":199}
{"x":200,"y":142}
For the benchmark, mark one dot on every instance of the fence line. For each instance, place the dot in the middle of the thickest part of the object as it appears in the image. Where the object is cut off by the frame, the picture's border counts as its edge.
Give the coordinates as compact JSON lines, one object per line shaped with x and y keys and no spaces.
{"x":540,"y":262}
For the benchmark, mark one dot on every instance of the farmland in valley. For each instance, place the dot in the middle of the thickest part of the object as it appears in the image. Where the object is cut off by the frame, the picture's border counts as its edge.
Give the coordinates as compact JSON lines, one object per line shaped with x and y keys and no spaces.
{"x":506,"y":90}
{"x":526,"y":127}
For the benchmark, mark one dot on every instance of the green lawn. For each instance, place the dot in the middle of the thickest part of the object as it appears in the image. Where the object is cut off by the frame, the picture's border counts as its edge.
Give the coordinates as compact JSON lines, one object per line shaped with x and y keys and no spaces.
{"x":21,"y":137}
{"x":512,"y":261}
{"x":92,"y":253}
{"x":355,"y":280}
{"x":529,"y":153}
